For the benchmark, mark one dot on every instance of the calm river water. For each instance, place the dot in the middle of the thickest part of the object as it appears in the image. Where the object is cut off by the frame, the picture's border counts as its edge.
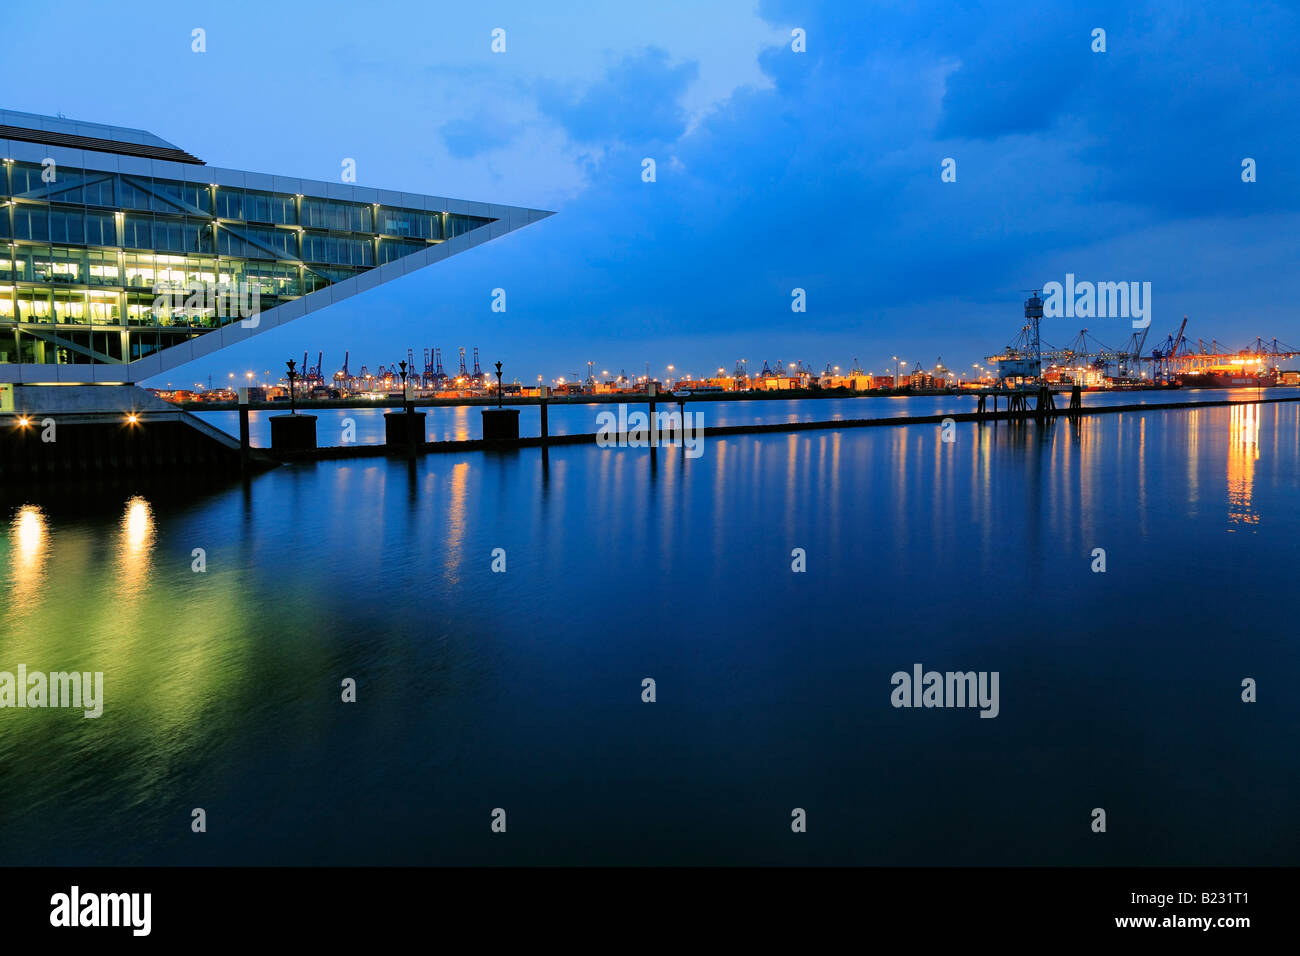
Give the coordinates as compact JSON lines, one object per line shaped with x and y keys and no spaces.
{"x":522,"y":690}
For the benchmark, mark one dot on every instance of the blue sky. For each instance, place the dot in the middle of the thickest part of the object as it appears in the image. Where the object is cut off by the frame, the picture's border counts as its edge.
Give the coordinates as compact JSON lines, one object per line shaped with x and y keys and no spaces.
{"x":776,"y":169}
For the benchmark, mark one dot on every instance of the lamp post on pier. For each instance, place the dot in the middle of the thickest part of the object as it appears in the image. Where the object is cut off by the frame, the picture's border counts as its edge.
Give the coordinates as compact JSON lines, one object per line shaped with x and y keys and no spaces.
{"x":408,"y":421}
{"x":293,"y":408}
{"x":501,"y":424}
{"x":293,"y":432}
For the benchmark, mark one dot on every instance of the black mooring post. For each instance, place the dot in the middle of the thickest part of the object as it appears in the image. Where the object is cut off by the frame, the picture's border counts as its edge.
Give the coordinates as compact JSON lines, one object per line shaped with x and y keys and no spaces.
{"x":652,"y":389}
{"x":542,"y":392}
{"x":410,"y":422}
{"x":243,"y":431}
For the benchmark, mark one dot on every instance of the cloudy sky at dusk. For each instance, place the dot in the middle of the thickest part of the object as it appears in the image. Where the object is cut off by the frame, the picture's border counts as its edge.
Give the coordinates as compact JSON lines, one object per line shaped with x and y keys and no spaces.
{"x":775,"y":169}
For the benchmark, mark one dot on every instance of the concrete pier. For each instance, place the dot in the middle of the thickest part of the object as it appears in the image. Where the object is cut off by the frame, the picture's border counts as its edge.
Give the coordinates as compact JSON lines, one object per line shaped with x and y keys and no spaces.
{"x":60,"y":431}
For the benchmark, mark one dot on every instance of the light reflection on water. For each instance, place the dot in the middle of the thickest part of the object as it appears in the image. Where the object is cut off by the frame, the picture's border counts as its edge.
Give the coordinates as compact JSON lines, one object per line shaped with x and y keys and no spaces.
{"x":222,"y":686}
{"x":29,"y":550}
{"x":1243,"y":452}
{"x":134,"y":550}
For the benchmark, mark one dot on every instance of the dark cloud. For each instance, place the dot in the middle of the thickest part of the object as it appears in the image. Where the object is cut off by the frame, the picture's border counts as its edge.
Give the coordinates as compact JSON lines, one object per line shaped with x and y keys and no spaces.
{"x":637,"y":101}
{"x":829,"y":180}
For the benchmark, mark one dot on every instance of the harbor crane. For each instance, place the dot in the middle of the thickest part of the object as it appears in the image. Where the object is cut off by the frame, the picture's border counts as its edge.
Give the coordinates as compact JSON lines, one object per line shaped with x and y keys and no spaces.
{"x":1028,"y":357}
{"x":1162,"y":358}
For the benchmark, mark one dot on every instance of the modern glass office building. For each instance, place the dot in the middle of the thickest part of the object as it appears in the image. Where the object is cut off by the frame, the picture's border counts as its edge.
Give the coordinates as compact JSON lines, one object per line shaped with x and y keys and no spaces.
{"x":122,"y":256}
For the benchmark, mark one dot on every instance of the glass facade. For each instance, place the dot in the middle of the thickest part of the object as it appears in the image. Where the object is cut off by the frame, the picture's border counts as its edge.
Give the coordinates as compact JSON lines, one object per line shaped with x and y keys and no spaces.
{"x":84,"y":258}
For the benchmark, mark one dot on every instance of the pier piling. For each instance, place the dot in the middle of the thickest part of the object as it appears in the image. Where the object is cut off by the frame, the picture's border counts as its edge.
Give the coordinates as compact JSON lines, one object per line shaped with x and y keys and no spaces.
{"x":244,"y":439}
{"x":542,"y":403}
{"x":1017,"y":405}
{"x":1046,"y":404}
{"x":403,"y":431}
{"x":293,"y":433}
{"x":408,"y":393}
{"x":652,"y":389}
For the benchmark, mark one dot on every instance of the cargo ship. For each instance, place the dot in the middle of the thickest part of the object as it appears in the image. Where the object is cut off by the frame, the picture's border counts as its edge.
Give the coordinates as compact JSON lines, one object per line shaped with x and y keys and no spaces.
{"x":1236,"y":378}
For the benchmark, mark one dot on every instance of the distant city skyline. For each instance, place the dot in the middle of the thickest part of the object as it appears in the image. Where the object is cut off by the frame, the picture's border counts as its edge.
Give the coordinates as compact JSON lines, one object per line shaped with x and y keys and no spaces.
{"x":572,"y":372}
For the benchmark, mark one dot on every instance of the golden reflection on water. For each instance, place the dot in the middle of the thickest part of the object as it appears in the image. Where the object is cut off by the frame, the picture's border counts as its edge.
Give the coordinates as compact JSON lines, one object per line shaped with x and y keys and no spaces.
{"x":29,"y":548}
{"x":99,"y":598}
{"x":460,"y":430}
{"x":455,"y":541}
{"x":134,"y":547}
{"x":31,"y":544}
{"x":1243,"y":452}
